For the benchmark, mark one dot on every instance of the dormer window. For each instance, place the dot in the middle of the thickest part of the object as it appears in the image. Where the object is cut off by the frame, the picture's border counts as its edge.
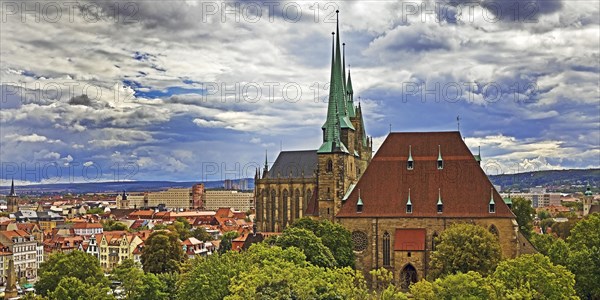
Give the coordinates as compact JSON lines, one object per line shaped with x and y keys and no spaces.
{"x":359,"y":203}
{"x":408,"y":204}
{"x":410,"y":164}
{"x":440,"y":205}
{"x":440,"y":162}
{"x":492,"y":204}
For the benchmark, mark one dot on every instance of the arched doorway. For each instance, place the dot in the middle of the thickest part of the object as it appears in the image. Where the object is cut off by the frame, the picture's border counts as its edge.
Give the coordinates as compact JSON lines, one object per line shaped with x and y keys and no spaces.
{"x":408,"y":275}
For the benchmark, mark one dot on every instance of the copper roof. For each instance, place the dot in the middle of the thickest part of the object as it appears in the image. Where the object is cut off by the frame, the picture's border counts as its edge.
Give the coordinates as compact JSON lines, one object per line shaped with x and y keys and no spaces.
{"x":464,"y":188}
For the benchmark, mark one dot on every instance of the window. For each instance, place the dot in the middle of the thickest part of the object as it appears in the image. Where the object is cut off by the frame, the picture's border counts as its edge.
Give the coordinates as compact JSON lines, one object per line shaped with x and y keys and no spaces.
{"x":440,"y":164}
{"x":360,"y":241}
{"x":409,"y":208}
{"x":410,"y":165}
{"x":359,"y":208}
{"x":329,"y":166}
{"x":386,"y":249}
{"x":492,"y":208}
{"x":440,"y":208}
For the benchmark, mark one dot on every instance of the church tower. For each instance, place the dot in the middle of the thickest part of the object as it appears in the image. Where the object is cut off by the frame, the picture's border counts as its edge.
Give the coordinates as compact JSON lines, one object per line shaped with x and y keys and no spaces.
{"x":339,"y":157}
{"x":12,"y":200}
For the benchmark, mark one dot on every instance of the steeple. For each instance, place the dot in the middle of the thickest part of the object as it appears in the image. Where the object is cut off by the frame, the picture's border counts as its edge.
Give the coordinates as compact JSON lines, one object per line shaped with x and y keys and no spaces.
{"x":331,"y":133}
{"x":337,"y":91}
{"x":12,"y":189}
{"x":266,"y":169}
{"x":350,"y":96}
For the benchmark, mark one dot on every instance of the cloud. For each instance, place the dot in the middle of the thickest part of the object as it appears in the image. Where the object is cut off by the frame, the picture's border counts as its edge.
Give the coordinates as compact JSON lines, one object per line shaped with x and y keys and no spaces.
{"x":164,"y":89}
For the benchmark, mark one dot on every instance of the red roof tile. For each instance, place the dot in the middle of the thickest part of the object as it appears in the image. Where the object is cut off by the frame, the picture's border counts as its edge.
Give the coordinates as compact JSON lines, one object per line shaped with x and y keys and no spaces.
{"x":464,"y":187}
{"x":409,"y":240}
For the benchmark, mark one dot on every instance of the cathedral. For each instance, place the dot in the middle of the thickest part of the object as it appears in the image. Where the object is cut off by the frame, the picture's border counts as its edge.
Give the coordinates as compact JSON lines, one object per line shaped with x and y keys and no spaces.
{"x":315,"y":182}
{"x":396,"y":203}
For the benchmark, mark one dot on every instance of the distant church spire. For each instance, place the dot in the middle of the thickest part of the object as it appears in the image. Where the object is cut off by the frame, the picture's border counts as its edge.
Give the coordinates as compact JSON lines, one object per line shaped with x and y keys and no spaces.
{"x":12,"y":189}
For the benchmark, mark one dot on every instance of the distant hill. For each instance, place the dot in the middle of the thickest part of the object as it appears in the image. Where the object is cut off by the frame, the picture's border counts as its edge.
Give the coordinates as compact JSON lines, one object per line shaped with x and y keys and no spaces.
{"x":563,"y":180}
{"x":111,"y":187}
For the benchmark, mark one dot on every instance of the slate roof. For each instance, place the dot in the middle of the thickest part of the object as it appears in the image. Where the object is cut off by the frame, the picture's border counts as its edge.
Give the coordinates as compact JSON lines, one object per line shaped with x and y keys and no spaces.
{"x":294,"y":162}
{"x":464,"y":187}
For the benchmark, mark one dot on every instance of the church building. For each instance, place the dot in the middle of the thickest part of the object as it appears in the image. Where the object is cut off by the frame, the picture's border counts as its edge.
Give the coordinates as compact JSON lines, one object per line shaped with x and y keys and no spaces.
{"x":314,"y":182}
{"x":394,"y":204}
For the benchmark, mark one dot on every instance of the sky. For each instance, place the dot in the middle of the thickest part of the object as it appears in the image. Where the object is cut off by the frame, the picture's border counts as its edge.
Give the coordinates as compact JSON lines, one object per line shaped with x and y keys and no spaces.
{"x":200,"y":90}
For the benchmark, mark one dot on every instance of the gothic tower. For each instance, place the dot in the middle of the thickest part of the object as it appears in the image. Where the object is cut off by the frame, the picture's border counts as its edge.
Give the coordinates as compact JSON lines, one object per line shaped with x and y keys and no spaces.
{"x":343,"y":154}
{"x":12,"y":200}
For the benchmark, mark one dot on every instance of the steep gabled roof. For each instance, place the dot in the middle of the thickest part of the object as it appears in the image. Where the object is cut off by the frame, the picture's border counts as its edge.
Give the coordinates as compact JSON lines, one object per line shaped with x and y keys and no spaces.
{"x":462,"y":184}
{"x":296,"y":163}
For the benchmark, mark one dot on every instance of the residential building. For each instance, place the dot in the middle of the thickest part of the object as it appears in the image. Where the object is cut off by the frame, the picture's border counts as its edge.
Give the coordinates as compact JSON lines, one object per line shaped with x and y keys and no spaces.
{"x":87,"y":229}
{"x":215,"y":199}
{"x":23,"y":247}
{"x":115,"y":247}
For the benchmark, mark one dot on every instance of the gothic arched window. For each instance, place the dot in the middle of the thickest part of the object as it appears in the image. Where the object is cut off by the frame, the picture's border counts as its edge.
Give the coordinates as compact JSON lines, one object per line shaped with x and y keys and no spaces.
{"x":433,"y":241}
{"x":297,"y":204}
{"x":386,"y":249}
{"x":329,"y":166}
{"x":284,"y":208}
{"x":494,"y":230}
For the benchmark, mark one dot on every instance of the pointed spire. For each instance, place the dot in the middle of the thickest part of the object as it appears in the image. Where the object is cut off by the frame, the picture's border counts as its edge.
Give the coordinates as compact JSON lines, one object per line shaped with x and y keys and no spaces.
{"x":410,"y":158}
{"x":492,"y":195}
{"x":332,"y":127}
{"x":266,"y":161}
{"x":439,"y":153}
{"x":408,"y":202}
{"x":344,"y":65}
{"x":439,"y":202}
{"x":12,"y":189}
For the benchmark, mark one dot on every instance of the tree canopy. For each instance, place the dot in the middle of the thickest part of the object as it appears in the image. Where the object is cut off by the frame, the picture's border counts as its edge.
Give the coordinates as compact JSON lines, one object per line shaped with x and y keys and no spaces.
{"x":162,"y":253}
{"x":309,"y":243}
{"x":79,"y":266}
{"x":584,"y":256}
{"x":334,"y":236}
{"x":465,"y":247}
{"x":534,"y":277}
{"x":524,"y":212}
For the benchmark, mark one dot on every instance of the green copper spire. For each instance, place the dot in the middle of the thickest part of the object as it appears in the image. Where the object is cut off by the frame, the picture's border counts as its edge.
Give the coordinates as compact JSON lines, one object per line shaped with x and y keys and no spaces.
{"x":350,"y":96}
{"x":331,"y":134}
{"x":410,"y":158}
{"x":344,"y":66}
{"x":439,"y":197}
{"x":408,"y":202}
{"x":492,"y":196}
{"x":359,"y":202}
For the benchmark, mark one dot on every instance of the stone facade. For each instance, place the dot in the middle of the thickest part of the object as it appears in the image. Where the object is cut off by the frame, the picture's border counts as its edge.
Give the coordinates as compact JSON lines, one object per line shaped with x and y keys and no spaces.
{"x":375,"y":228}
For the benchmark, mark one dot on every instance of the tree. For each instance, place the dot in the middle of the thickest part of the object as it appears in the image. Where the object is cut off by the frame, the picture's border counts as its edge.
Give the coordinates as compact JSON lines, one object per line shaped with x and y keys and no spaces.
{"x":112,"y":225}
{"x":463,"y":248}
{"x":383,"y":285}
{"x":201,"y":234}
{"x":470,"y":285}
{"x":334,"y":236}
{"x":276,"y":273}
{"x":95,"y":210}
{"x":129,"y":274}
{"x":563,"y":229}
{"x":226,"y":241}
{"x":77,"y":264}
{"x":210,"y":276}
{"x":309,"y":243}
{"x":524,"y":212}
{"x":584,"y":256}
{"x":162,"y":253}
{"x":71,"y":288}
{"x":534,"y":277}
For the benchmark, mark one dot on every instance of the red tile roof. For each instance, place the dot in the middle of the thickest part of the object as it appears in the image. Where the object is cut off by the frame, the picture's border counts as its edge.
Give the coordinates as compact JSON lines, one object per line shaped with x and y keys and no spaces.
{"x":409,"y":240}
{"x":464,"y":187}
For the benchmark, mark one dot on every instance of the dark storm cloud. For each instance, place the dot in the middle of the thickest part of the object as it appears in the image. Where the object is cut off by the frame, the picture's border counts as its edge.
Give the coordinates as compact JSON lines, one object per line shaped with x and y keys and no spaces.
{"x":81,"y":100}
{"x":528,"y":11}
